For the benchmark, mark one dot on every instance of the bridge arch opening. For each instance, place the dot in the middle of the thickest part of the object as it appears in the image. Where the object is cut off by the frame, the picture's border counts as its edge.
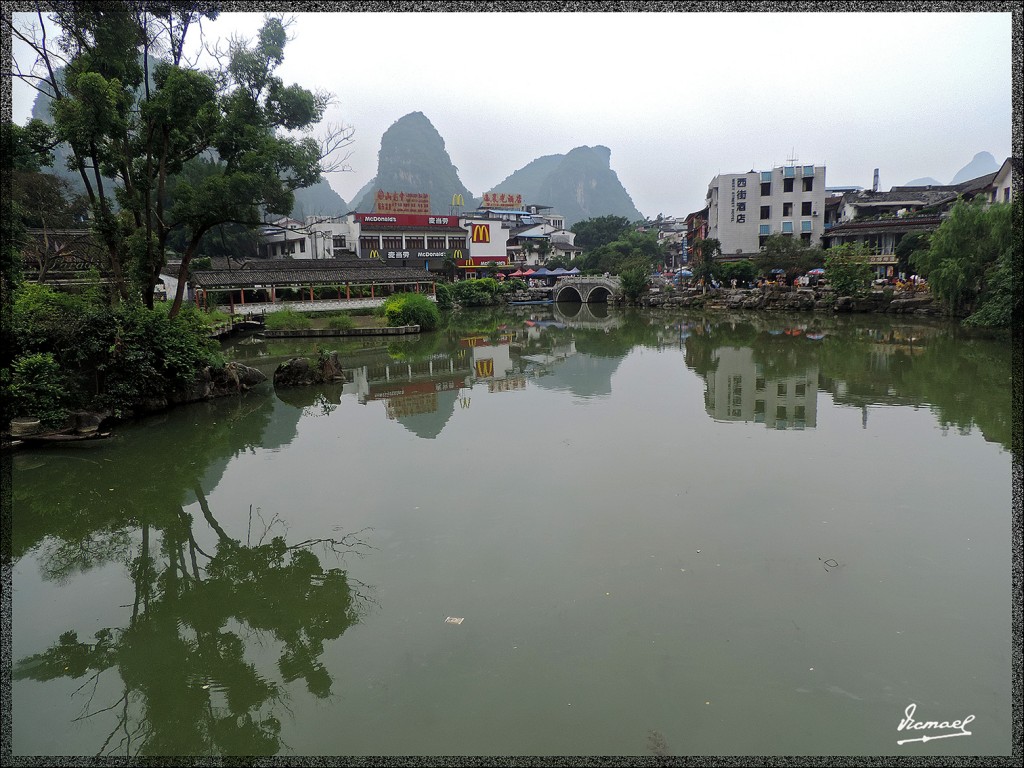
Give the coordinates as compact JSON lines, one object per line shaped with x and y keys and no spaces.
{"x":598,"y":295}
{"x":568,"y":294}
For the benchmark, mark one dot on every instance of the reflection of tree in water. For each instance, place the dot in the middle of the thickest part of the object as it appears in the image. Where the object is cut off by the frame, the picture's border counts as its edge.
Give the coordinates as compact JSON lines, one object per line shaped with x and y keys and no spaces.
{"x":964,"y":378}
{"x":188,"y":688}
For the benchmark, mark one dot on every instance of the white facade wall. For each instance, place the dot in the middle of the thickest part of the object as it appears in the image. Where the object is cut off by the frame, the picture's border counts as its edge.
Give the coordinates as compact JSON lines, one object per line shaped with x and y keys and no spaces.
{"x":736,"y":207}
{"x":1003,"y":184}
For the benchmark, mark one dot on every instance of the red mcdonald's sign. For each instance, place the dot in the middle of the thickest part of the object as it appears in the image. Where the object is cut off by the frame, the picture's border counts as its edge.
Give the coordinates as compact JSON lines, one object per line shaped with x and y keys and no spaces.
{"x":481,"y":233}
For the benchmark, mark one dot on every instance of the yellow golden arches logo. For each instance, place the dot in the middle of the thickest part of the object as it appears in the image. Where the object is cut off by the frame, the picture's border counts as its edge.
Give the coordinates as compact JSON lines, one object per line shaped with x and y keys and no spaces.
{"x":457,"y":254}
{"x":481,"y":233}
{"x":458,"y":199}
{"x":374,"y":254}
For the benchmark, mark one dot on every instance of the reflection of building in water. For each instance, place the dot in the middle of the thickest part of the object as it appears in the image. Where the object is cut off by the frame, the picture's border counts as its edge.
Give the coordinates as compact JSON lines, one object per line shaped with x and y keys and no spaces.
{"x":737,"y":390}
{"x":420,"y":394}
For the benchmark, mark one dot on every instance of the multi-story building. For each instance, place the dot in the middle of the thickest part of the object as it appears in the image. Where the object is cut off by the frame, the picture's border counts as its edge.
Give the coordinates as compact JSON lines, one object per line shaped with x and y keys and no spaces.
{"x":421,"y":241}
{"x":744,"y":209}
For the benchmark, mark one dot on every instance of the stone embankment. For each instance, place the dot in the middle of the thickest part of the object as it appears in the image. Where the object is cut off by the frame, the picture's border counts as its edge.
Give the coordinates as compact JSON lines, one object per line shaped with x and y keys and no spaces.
{"x":790,"y":299}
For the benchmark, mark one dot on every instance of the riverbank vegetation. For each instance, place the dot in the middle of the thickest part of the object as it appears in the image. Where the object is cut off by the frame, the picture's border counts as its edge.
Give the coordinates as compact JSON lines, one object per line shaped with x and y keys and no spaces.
{"x":77,"y":351}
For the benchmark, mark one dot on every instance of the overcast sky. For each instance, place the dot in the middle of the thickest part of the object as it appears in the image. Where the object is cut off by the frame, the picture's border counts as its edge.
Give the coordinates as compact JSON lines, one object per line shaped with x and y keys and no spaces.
{"x":677,"y":97}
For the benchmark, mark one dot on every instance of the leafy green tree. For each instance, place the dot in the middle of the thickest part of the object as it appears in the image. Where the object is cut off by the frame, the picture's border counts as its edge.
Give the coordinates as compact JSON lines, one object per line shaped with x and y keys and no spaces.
{"x":742,"y":271}
{"x":848,"y":268}
{"x":705,"y":252}
{"x":133,"y":123}
{"x":790,"y":254}
{"x":906,"y":247}
{"x":594,"y":233}
{"x":962,"y":251}
{"x":635,"y":276}
{"x":1001,"y":305}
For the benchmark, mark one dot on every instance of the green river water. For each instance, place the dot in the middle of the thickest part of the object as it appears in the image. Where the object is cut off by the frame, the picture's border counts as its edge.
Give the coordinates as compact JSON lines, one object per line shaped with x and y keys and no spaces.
{"x":545,"y":530}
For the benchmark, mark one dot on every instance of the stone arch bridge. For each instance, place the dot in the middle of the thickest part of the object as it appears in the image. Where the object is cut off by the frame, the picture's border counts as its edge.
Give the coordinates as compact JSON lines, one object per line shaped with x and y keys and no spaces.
{"x":587,"y":289}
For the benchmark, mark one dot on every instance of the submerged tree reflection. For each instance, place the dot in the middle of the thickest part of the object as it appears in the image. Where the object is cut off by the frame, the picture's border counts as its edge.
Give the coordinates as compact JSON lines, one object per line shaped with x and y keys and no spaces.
{"x":188,"y":686}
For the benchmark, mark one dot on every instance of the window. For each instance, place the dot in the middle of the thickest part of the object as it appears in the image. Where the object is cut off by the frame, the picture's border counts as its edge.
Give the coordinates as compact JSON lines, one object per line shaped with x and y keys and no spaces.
{"x":808,"y":183}
{"x":368,"y":243}
{"x":766,"y":177}
{"x":787,"y":227}
{"x":760,"y":384}
{"x":392,"y":243}
{"x":800,"y":413}
{"x":761,"y":240}
{"x":801,"y":389}
{"x":805,"y":208}
{"x":414,"y":242}
{"x":780,"y":413}
{"x":805,"y":226}
{"x":808,"y":170}
{"x":302,"y":246}
{"x":457,"y":242}
{"x":339,"y":242}
{"x":766,"y":212}
{"x":782,"y":389}
{"x":805,"y":236}
{"x":766,"y":189}
{"x":765,"y":229}
{"x":787,"y":185}
{"x":789,"y":171}
{"x":759,"y":411}
{"x":435,"y":243}
{"x":787,"y":210}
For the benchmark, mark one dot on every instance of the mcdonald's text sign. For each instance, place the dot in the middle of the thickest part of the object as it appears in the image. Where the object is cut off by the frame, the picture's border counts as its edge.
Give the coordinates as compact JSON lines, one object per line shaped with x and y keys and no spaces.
{"x":391,"y":220}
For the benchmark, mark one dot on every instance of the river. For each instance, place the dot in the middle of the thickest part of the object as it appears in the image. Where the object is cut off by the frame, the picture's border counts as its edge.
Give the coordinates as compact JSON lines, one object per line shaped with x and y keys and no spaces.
{"x":545,"y":530}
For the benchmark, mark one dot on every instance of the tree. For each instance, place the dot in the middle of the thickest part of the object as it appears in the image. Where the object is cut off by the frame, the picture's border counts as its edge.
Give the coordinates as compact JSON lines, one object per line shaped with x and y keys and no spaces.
{"x":906,"y":247}
{"x":962,"y":251}
{"x":704,"y":253}
{"x":594,"y":233}
{"x":635,"y":276}
{"x":133,"y":122}
{"x":849,"y":269}
{"x":787,"y":253}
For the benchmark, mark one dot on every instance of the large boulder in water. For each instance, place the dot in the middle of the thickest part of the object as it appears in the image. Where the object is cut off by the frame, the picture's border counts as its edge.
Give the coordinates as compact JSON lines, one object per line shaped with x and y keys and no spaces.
{"x":299,"y":371}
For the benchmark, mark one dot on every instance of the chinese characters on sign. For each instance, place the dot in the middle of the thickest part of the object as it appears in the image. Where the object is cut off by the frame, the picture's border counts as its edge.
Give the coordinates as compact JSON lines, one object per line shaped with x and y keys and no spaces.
{"x":502,"y":200}
{"x":739,"y":201}
{"x":402,"y":202}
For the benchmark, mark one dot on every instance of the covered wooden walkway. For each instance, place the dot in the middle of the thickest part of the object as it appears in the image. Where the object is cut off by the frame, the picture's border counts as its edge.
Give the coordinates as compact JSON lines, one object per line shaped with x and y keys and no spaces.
{"x":305,"y":286}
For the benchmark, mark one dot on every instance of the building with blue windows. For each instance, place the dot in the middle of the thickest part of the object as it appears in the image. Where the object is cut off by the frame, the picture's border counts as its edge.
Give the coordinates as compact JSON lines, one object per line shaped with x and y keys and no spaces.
{"x":744,"y":209}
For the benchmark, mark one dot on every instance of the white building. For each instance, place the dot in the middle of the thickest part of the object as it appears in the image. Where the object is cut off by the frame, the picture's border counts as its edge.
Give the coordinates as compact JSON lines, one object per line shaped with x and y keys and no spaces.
{"x":1002,"y":185}
{"x":745,"y":208}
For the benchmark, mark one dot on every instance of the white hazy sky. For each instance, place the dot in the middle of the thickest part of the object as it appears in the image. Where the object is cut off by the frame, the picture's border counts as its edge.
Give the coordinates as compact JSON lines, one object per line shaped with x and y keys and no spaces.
{"x":677,"y":97}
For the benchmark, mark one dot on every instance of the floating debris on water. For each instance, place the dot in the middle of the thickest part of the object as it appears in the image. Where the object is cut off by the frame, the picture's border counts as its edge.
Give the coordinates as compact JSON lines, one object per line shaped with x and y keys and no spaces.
{"x":454,"y":620}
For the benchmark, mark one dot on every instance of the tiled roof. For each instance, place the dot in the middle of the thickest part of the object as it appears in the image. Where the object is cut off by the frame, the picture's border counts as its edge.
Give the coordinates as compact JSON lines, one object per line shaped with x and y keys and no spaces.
{"x":317,"y":275}
{"x":908,"y":224}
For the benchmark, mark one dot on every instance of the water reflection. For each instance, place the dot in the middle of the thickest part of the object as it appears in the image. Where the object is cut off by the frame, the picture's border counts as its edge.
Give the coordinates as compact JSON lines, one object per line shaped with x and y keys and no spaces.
{"x":766,"y":370}
{"x":201,"y":591}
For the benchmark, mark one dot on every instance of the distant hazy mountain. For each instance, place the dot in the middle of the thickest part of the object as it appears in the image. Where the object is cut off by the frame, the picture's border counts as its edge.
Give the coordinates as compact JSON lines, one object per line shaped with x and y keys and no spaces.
{"x":579,"y":185}
{"x":982,"y":164}
{"x":412,"y":158}
{"x":318,"y":200}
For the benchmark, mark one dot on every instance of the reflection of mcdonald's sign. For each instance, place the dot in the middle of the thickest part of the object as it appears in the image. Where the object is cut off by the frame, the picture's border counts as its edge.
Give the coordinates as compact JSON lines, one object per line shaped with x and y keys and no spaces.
{"x":374,"y":254}
{"x":485,"y":368}
{"x":457,"y":199}
{"x":481,"y":233}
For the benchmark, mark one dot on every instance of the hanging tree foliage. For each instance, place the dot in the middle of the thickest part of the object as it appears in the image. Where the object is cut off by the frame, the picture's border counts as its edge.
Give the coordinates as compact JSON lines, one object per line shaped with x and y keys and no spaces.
{"x":136,"y":112}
